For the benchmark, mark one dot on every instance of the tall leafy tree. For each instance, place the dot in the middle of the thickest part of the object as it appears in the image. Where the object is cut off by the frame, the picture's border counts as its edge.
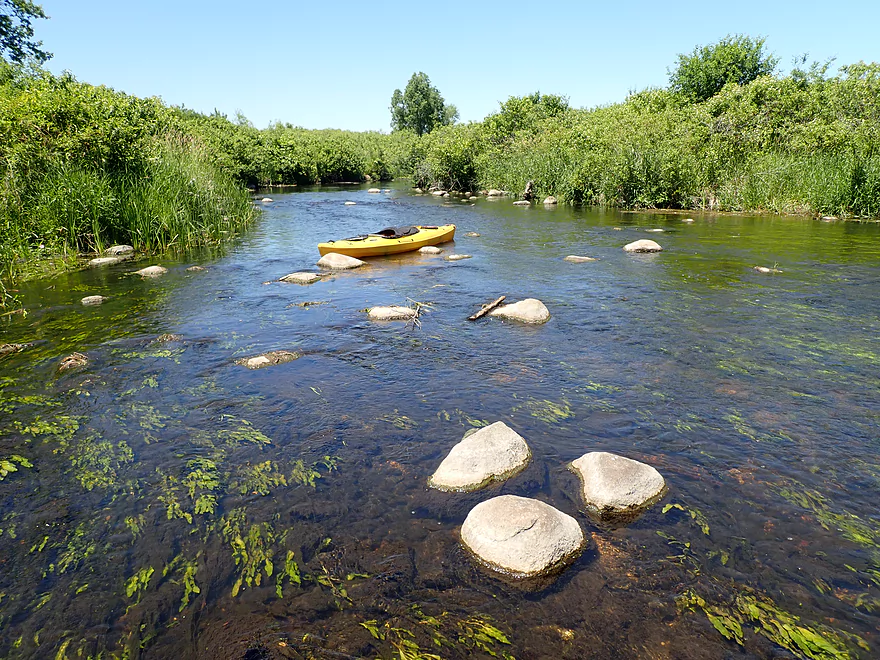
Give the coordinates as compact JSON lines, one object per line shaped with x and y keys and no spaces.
{"x":16,"y":33}
{"x":703,"y":73}
{"x":420,"y":108}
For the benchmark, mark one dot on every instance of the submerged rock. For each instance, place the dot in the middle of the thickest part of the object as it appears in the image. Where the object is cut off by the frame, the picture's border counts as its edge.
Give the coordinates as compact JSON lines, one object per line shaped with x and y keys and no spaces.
{"x":495,"y":193}
{"x":336,"y":261}
{"x":520,"y":536}
{"x":440,"y":193}
{"x":104,"y":261}
{"x":522,"y":202}
{"x":617,"y":488}
{"x":168,"y":337}
{"x":268,"y":359}
{"x":687,"y":219}
{"x":9,"y":349}
{"x":764,"y":269}
{"x":550,"y":200}
{"x":119,"y":250}
{"x":643,"y":245}
{"x":530,"y":310}
{"x":195,"y":269}
{"x":373,"y":191}
{"x":493,"y":453}
{"x":151,"y":271}
{"x":300,"y":278}
{"x":266,"y":200}
{"x":350,"y":203}
{"x":575,"y":259}
{"x":93,"y":300}
{"x":655,"y":230}
{"x":472,"y":198}
{"x":394,"y":313}
{"x":73,"y":361}
{"x":472,"y":234}
{"x":430,"y":249}
{"x":457,"y":257}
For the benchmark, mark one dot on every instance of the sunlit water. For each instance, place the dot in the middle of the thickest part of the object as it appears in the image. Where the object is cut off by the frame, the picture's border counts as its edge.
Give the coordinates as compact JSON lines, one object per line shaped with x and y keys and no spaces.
{"x":175,"y":498}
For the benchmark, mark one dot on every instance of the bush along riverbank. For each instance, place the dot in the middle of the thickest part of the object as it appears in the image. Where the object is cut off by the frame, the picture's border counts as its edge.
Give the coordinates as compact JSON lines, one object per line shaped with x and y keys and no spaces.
{"x":83,"y":167}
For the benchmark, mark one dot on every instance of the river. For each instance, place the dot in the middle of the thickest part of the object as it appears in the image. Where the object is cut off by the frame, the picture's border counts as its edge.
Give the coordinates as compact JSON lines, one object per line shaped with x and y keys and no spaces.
{"x":170,"y":503}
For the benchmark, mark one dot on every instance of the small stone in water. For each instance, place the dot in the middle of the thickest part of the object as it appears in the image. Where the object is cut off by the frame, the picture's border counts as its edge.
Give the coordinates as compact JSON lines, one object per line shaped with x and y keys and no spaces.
{"x":93,"y":300}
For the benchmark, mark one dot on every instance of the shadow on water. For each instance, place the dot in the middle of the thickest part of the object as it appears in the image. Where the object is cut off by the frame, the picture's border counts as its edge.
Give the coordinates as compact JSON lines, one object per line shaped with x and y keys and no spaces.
{"x":164,"y":502}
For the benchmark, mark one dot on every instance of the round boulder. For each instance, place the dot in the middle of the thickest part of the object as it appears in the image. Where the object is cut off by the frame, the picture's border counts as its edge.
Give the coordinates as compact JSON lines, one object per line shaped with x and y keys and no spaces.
{"x":643,"y":245}
{"x":394,"y":313}
{"x":617,"y":488}
{"x":493,"y":453}
{"x":530,"y":310}
{"x":575,"y":259}
{"x":119,"y":250}
{"x":550,"y":201}
{"x":336,"y":261}
{"x":104,"y":261}
{"x":300,"y":278}
{"x":152,"y":271}
{"x":430,"y":249}
{"x":521,"y":537}
{"x":93,"y":300}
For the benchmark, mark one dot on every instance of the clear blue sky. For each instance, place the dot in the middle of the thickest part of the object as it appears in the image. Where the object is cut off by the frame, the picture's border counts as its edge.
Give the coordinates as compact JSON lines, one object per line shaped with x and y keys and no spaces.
{"x":335,"y":64}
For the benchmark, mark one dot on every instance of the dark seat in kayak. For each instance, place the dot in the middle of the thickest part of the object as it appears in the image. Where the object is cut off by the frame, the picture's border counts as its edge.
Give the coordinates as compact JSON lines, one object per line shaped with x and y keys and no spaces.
{"x":388,"y":232}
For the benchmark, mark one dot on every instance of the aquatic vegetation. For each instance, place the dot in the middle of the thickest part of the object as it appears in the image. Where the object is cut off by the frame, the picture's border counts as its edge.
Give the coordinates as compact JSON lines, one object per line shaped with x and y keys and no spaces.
{"x":8,"y":464}
{"x":547,"y":411}
{"x":696,"y":515}
{"x":289,"y":572}
{"x":251,"y":546}
{"x":78,"y":549}
{"x":96,"y":461}
{"x":168,"y":485}
{"x":243,"y":433}
{"x":398,"y":421}
{"x":259,"y":479}
{"x":61,"y":429}
{"x":202,"y":481}
{"x":189,"y":583}
{"x":138,"y":583}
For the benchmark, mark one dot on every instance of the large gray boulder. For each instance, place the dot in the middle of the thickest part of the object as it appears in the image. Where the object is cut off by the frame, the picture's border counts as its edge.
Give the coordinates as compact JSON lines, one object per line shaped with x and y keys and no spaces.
{"x":617,"y":488}
{"x":300,"y":278}
{"x":521,"y":537}
{"x":493,"y":453}
{"x":530,"y":310}
{"x":151,"y":271}
{"x":336,"y":261}
{"x":394,"y":313}
{"x":644,"y":245}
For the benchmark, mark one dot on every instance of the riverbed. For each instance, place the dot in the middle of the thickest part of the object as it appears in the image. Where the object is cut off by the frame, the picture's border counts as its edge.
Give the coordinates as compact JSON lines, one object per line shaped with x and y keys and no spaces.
{"x":170,"y":503}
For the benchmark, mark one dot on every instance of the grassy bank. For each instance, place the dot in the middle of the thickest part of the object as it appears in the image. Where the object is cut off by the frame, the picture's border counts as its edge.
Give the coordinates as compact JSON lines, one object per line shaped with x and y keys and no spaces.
{"x":801,"y":143}
{"x":83,"y":167}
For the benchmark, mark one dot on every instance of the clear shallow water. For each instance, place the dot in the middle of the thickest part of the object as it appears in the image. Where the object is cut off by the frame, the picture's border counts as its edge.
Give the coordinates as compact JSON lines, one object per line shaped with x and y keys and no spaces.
{"x":165,"y":478}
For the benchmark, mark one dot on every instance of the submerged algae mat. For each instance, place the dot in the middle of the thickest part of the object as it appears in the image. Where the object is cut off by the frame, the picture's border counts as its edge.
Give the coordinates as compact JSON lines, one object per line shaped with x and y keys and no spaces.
{"x":161,"y":502}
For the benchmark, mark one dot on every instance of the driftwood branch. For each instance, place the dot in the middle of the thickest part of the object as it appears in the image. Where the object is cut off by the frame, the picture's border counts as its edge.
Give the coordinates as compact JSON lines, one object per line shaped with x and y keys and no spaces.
{"x":486,"y":309}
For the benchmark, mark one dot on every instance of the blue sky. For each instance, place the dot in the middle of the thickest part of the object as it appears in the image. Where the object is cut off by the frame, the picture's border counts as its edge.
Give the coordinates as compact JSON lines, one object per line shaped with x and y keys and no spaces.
{"x":336,"y":64}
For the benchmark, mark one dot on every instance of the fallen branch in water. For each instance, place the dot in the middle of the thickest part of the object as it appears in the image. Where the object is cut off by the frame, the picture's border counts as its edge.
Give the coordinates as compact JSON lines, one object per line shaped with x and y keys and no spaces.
{"x":486,"y":309}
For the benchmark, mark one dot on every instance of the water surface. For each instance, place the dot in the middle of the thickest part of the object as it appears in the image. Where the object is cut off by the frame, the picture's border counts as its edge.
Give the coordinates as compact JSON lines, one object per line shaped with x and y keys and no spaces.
{"x":174,"y":504}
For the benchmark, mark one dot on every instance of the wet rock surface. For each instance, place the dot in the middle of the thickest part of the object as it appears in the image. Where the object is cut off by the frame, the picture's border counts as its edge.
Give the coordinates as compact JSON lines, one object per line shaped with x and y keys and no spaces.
{"x":104,"y":261}
{"x":268,"y":359}
{"x":73,"y":361}
{"x":530,"y":310}
{"x":119,"y":250}
{"x":9,"y":349}
{"x":195,"y":269}
{"x":575,"y":259}
{"x":152,"y":271}
{"x":521,"y":537}
{"x":300,"y":278}
{"x":392,"y":313}
{"x":457,"y":257}
{"x":643,"y":245}
{"x":616,"y":488}
{"x":430,"y":249}
{"x":336,"y":261}
{"x":493,"y":453}
{"x":93,"y":300}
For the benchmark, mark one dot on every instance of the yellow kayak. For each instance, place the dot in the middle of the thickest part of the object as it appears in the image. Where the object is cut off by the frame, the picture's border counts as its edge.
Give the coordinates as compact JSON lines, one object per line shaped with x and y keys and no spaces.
{"x":390,"y":241}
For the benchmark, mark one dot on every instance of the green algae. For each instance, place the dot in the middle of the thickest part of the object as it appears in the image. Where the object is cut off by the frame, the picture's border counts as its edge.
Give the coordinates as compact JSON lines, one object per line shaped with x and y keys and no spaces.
{"x":11,"y":463}
{"x":137,"y":584}
{"x":696,"y":515}
{"x":547,"y":411}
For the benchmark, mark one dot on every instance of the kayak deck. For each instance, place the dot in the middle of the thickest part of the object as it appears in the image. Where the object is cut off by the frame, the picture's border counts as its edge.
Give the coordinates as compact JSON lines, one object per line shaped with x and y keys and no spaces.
{"x":374,"y":245}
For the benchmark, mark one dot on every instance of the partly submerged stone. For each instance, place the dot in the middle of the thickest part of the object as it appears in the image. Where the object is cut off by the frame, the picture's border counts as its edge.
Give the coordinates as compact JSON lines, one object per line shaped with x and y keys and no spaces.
{"x":9,"y":349}
{"x":495,"y":193}
{"x":656,"y":230}
{"x":550,"y":200}
{"x":522,"y":202}
{"x":394,"y":313}
{"x":765,"y":270}
{"x":617,"y":488}
{"x":300,"y":278}
{"x":266,"y":200}
{"x":336,"y":261}
{"x":73,"y":361}
{"x":687,"y":219}
{"x":268,"y":359}
{"x":93,"y":300}
{"x":643,"y":245}
{"x":104,"y":261}
{"x":493,"y":453}
{"x":472,"y":234}
{"x":350,"y":203}
{"x":521,"y":537}
{"x":195,"y":269}
{"x":119,"y":250}
{"x":440,"y":193}
{"x":472,"y":198}
{"x":530,"y":310}
{"x":151,"y":271}
{"x":430,"y":249}
{"x":575,"y":259}
{"x":457,"y":257}
{"x":374,"y":191}
{"x":168,"y":337}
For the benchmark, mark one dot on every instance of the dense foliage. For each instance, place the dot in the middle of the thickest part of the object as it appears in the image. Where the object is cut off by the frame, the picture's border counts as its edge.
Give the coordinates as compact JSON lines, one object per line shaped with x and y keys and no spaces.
{"x":420,"y":108}
{"x":16,"y":33}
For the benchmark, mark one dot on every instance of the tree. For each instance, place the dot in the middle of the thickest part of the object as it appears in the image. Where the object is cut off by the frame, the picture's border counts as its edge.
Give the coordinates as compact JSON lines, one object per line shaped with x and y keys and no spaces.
{"x":420,"y":108}
{"x":703,"y":73}
{"x":16,"y":34}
